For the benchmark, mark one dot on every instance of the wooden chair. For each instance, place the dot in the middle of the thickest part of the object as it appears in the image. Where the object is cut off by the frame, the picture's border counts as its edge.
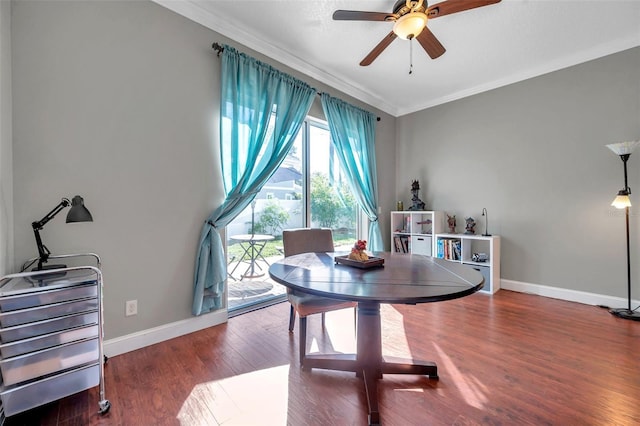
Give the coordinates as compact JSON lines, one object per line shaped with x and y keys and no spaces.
{"x":309,"y":240}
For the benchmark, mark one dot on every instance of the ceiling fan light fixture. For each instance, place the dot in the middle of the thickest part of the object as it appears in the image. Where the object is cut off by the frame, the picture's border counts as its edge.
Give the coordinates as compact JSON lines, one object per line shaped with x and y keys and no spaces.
{"x":410,"y":25}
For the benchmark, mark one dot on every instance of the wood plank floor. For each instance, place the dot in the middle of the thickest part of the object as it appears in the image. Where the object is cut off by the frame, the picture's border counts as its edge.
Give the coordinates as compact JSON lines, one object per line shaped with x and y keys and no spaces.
{"x":506,"y":359}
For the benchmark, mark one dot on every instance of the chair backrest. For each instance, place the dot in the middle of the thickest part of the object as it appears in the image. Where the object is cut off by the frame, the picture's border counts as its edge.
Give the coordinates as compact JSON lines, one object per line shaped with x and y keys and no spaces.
{"x":307,"y":240}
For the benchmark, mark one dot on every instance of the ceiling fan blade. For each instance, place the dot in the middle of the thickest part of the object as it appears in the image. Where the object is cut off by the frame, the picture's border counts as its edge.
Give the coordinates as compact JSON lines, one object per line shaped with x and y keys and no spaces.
{"x":453,"y":6}
{"x":430,"y":43}
{"x":355,"y":15}
{"x":378,"y":49}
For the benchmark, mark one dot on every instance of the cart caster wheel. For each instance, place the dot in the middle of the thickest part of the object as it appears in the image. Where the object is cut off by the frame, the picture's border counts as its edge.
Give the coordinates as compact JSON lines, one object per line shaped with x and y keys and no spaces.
{"x":105,"y":359}
{"x":104,"y":406}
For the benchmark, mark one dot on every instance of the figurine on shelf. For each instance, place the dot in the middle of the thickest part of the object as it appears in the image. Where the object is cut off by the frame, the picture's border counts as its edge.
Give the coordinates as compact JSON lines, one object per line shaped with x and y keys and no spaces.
{"x":416,"y":203}
{"x":451,"y":222}
{"x":358,"y":251}
{"x":470,"y":227}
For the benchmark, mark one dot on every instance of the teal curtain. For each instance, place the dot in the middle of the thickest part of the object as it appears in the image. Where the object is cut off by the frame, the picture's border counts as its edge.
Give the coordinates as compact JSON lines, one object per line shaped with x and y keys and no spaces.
{"x":353,"y":135}
{"x":261,"y":111}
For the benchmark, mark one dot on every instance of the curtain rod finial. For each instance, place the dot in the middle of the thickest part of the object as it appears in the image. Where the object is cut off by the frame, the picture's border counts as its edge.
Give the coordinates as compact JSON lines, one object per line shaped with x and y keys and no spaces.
{"x":218,"y":47}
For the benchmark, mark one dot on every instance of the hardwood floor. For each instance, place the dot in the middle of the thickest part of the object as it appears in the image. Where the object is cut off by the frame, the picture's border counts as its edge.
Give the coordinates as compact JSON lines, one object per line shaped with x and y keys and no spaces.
{"x":506,"y":359}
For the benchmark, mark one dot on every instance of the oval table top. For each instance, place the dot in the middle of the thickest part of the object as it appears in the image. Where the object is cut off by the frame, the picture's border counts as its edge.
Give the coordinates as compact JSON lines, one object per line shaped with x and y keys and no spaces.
{"x":404,"y":278}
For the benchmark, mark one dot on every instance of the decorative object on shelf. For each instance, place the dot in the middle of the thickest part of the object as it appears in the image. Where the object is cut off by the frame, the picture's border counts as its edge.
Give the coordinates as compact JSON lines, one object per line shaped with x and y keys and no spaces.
{"x":416,"y":203}
{"x":77,"y":213}
{"x":486,"y":223}
{"x":399,"y":206}
{"x":479,"y":257}
{"x":622,"y":201}
{"x":423,"y":229}
{"x":358,"y":251}
{"x":451,"y":223}
{"x":470,"y":226}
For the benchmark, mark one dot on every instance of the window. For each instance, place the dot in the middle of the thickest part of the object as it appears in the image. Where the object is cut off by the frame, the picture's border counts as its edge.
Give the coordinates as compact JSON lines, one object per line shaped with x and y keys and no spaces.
{"x":308,"y":190}
{"x":331,"y":202}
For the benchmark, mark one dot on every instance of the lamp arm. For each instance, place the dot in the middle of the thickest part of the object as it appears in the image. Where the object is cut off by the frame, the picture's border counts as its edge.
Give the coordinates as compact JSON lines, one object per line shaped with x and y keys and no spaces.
{"x":57,"y":209}
{"x":43,"y":251}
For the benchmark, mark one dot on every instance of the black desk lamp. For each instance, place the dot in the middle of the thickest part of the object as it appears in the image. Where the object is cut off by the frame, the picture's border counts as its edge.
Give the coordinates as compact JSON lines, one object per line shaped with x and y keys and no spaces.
{"x":486,"y":223}
{"x":78,"y":213}
{"x":622,"y":201}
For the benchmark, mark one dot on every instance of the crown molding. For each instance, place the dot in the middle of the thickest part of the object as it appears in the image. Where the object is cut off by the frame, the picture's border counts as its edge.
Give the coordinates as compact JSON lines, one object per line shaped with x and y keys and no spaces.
{"x":195,"y":12}
{"x":595,"y":52}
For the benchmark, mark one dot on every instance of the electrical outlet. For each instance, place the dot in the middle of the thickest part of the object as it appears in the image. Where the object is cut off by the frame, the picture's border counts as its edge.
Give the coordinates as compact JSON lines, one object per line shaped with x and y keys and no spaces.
{"x":130,"y":308}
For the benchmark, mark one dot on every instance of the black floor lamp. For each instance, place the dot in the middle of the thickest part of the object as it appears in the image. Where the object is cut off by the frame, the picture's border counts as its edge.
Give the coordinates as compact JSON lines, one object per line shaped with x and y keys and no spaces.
{"x":622,"y":201}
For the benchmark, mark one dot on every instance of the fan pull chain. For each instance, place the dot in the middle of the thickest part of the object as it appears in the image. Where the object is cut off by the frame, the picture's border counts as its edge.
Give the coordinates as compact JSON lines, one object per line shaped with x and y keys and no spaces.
{"x":410,"y":56}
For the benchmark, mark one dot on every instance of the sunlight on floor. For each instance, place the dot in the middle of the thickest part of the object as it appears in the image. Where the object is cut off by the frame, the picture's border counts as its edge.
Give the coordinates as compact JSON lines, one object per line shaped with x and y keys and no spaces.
{"x":471,"y":389}
{"x":340,"y":330}
{"x":398,"y":338}
{"x":246,"y":399}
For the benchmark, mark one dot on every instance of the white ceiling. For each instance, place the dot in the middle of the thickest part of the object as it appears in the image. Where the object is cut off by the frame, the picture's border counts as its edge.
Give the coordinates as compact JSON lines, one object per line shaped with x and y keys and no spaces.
{"x":487,"y":47}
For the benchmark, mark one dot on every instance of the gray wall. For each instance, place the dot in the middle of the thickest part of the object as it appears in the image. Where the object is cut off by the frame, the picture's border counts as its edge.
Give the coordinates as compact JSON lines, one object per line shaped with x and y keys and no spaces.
{"x":534,"y":155}
{"x":118,"y":102}
{"x":6,"y":156}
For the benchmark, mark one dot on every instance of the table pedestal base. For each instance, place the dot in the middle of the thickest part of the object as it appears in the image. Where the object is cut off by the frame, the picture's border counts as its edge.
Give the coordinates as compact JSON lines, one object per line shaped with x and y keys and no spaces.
{"x":369,"y":362}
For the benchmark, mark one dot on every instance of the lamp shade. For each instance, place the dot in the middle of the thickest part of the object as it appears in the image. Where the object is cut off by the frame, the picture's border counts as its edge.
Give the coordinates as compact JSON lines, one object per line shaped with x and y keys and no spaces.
{"x":410,"y":25}
{"x":623,"y":148}
{"x":622,"y":200}
{"x":78,"y":212}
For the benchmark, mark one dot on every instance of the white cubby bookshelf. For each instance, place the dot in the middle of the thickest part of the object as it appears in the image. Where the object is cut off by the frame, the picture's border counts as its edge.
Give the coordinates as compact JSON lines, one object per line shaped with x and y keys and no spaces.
{"x":462,"y":247}
{"x":413,"y":231}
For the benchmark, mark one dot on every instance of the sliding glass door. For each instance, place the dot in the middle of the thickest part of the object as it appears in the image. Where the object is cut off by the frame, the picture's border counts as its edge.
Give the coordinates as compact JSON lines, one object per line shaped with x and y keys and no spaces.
{"x":308,"y":190}
{"x":330,"y":201}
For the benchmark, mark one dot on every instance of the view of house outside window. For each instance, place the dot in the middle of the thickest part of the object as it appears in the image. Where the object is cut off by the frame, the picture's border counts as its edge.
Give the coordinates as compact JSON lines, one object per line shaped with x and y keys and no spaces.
{"x":307,"y":190}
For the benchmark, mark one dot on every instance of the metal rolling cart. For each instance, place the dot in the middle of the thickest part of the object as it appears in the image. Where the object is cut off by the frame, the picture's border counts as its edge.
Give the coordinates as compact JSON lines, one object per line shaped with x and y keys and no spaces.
{"x":51,"y":335}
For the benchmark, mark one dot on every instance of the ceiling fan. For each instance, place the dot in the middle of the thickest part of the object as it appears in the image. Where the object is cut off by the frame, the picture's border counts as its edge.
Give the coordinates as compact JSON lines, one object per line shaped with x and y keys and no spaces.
{"x":410,"y":21}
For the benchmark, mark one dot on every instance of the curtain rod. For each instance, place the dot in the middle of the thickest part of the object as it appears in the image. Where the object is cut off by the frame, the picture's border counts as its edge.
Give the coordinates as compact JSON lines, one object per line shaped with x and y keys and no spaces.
{"x":220,"y":48}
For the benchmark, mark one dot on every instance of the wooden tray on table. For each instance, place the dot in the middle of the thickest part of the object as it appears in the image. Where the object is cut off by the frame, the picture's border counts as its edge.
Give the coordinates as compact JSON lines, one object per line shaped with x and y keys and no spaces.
{"x":371,"y":263}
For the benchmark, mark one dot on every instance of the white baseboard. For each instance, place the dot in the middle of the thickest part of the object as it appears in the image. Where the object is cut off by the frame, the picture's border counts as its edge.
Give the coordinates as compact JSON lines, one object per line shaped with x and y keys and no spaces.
{"x":141,"y":339}
{"x":566,"y":294}
{"x":151,"y":336}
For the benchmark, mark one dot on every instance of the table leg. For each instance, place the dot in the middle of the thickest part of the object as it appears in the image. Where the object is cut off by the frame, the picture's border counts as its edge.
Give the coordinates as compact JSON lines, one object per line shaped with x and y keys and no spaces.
{"x":369,"y":346}
{"x":392,"y":365}
{"x":371,"y":388}
{"x":242,"y":257}
{"x":369,"y":363}
{"x":254,"y":250}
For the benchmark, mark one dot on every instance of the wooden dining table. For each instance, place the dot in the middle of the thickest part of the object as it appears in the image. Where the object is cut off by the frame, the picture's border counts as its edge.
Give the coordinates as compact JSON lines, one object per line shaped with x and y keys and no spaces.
{"x":401,"y":279}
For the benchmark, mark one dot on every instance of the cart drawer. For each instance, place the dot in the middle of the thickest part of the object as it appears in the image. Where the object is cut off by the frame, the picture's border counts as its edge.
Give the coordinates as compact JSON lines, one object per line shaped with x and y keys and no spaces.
{"x":21,"y":398}
{"x":23,"y":316}
{"x":37,"y":343}
{"x":47,"y":297}
{"x":39,"y":328}
{"x":32,"y":365}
